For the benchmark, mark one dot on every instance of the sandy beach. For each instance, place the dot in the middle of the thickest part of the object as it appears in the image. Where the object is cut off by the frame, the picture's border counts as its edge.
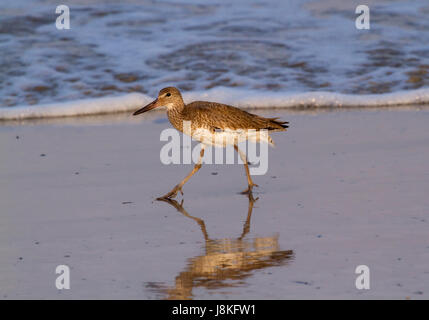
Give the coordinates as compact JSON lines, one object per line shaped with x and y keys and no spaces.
{"x":343,"y":188}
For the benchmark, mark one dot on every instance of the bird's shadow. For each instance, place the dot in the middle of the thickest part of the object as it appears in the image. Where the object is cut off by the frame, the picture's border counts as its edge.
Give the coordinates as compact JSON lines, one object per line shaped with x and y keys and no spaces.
{"x":225,"y":262}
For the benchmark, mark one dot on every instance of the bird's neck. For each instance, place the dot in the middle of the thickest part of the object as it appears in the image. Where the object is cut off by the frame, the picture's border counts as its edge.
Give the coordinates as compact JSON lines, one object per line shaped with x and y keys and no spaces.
{"x":175,"y":115}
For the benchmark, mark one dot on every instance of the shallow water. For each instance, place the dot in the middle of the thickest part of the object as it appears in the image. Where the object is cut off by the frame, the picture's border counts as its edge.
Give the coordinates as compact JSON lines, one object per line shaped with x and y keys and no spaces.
{"x":343,"y":189}
{"x":275,"y":46}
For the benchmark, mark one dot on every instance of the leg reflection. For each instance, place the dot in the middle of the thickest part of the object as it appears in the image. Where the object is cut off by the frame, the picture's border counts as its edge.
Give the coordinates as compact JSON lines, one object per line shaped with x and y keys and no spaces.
{"x":226,"y":262}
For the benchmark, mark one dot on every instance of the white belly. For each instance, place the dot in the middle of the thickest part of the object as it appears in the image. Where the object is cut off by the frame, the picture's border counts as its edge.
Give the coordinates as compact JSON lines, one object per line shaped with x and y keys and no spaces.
{"x":230,"y":137}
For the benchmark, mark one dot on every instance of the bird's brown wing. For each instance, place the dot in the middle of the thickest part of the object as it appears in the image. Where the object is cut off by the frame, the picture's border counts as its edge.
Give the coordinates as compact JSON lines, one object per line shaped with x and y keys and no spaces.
{"x":214,"y":116}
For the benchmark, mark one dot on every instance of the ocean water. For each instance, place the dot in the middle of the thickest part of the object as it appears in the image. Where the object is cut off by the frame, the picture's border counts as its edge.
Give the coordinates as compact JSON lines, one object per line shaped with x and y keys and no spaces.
{"x":249,"y":53}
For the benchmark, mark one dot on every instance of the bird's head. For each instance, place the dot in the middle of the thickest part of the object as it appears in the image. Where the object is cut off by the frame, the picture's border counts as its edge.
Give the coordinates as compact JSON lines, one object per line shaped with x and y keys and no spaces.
{"x":169,"y":97}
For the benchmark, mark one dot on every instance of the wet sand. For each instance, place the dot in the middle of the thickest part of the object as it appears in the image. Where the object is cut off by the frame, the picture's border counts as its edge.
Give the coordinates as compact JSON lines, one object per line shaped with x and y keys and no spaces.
{"x":343,"y":189}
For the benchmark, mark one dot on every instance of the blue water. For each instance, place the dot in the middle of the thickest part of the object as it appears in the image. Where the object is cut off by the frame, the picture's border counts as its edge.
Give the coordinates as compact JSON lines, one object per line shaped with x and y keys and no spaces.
{"x":251,"y":46}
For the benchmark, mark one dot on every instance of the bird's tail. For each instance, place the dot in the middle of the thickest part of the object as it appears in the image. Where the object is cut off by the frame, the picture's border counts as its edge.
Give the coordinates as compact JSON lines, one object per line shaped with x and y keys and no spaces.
{"x":277,"y":125}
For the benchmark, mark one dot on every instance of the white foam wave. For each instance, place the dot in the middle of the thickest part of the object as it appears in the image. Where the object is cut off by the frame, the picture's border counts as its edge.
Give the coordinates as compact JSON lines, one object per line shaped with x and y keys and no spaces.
{"x":76,"y":108}
{"x":236,"y":97}
{"x":319,"y":99}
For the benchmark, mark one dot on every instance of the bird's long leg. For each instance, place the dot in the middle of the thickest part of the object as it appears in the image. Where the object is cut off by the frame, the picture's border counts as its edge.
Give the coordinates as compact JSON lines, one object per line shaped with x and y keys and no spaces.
{"x":181,"y":209}
{"x":246,"y":167}
{"x":246,"y":227}
{"x":178,"y":187}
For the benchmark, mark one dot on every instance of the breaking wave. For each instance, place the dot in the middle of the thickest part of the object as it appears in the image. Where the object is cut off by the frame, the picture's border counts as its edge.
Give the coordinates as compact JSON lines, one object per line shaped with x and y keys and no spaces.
{"x":237,"y":97}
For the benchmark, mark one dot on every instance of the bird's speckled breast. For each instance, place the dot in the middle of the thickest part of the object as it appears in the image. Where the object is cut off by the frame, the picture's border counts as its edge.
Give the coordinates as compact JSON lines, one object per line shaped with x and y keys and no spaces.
{"x":175,"y":119}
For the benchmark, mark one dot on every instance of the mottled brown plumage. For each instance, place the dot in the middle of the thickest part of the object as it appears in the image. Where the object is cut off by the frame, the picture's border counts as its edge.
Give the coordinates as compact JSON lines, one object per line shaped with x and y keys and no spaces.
{"x":213,"y":116}
{"x":208,"y":120}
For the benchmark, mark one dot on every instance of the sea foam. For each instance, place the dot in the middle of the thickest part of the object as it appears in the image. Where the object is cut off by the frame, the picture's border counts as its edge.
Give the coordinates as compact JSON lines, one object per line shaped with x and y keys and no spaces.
{"x":237,"y":97}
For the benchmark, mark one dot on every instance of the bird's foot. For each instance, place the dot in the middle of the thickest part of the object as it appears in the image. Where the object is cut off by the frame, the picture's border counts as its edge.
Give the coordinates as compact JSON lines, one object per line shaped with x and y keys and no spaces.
{"x":251,"y":198}
{"x":249,"y":188}
{"x":172,"y":193}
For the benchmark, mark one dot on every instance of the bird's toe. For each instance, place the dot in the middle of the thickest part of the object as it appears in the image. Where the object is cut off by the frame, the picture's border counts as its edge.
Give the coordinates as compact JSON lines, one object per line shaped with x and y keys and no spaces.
{"x":173,"y":193}
{"x":249,"y":188}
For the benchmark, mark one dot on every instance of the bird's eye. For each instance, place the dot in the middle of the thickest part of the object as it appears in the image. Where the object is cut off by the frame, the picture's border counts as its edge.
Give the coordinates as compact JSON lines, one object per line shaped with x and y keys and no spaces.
{"x":168,"y":94}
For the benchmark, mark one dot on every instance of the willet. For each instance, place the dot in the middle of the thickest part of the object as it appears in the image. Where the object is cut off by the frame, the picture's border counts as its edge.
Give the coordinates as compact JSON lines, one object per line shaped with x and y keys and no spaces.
{"x":214,"y":124}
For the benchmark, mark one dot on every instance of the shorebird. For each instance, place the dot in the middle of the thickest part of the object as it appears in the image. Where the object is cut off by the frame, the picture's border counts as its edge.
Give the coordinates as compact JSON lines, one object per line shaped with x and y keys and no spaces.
{"x":213,"y":124}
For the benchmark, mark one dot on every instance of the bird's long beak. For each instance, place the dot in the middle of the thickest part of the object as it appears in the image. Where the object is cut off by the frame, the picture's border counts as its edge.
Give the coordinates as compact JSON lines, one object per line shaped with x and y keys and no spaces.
{"x":150,"y":106}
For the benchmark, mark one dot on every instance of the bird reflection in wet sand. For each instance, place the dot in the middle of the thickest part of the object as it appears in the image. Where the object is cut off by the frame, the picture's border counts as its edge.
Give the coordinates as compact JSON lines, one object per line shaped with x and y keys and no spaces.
{"x":226,"y":262}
